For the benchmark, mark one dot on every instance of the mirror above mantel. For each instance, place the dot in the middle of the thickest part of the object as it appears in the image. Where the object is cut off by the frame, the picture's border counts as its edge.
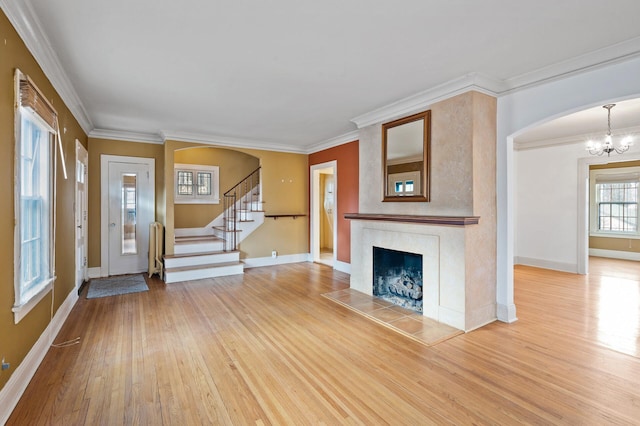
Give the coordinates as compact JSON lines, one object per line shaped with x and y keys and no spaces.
{"x":405,"y":158}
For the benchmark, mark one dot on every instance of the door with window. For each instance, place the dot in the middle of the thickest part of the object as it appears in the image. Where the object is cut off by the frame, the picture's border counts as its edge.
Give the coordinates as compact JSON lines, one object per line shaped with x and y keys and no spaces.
{"x":127,"y":212}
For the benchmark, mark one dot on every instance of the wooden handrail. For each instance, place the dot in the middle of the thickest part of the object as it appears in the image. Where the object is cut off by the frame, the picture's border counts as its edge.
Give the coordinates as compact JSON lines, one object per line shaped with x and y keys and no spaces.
{"x":276,"y":216}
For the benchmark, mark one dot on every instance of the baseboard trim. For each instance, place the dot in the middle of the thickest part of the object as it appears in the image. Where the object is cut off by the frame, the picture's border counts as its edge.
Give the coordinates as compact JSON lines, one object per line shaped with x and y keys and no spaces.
{"x":257,"y":262}
{"x":342,"y":267}
{"x":506,"y":313}
{"x":19,"y":380}
{"x":94,"y":272}
{"x":546,"y":264}
{"x":615,"y":254}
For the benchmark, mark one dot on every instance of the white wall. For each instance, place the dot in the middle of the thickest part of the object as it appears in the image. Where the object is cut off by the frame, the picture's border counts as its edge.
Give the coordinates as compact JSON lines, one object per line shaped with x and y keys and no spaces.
{"x":545,"y":206}
{"x":529,"y":107}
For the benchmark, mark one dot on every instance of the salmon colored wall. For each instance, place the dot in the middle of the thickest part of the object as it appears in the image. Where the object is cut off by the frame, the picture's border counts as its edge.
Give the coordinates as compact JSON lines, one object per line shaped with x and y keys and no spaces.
{"x":347,"y":184}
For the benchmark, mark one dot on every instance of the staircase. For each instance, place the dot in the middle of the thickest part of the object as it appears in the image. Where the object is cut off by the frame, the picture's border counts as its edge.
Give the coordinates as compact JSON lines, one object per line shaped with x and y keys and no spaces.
{"x":212,"y":251}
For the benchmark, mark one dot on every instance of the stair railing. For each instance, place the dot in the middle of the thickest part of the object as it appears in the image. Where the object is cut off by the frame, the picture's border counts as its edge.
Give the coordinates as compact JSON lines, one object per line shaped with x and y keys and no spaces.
{"x":239,"y":202}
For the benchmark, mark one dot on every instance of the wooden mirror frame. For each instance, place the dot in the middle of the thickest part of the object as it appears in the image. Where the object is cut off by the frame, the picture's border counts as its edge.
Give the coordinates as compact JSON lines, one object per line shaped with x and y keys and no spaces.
{"x":424,"y":194}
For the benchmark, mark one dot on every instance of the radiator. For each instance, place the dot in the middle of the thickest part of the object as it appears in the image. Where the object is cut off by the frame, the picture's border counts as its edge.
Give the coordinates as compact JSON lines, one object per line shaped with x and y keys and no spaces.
{"x":156,"y":241}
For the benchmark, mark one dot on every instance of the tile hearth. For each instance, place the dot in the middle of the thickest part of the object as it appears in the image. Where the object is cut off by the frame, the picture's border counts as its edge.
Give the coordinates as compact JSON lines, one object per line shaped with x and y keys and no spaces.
{"x":407,"y":322}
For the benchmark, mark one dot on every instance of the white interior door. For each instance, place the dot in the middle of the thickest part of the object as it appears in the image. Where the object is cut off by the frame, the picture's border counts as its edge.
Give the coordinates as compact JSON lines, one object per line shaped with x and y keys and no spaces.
{"x":82,"y":162}
{"x":128,"y":209}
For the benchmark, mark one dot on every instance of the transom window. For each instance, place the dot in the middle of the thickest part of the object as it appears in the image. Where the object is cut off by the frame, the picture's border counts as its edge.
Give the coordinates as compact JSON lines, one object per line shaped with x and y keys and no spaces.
{"x":614,"y":206}
{"x":196,"y":184}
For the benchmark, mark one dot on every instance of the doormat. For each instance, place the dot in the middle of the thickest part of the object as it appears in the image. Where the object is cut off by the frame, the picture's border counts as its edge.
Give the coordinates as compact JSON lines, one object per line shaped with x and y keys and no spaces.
{"x":112,"y":286}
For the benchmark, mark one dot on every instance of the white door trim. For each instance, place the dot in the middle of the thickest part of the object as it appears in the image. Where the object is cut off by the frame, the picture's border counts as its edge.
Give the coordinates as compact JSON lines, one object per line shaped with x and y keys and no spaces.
{"x":104,"y":200}
{"x":583,"y":204}
{"x":314,"y":238}
{"x":82,"y":155}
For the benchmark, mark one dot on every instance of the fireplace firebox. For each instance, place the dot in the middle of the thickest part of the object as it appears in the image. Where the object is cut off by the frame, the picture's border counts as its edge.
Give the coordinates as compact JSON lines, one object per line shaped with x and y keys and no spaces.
{"x":397,"y":277}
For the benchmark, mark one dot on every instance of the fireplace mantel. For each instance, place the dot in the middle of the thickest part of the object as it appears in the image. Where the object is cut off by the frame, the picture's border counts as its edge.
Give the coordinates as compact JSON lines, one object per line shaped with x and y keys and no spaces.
{"x":425,"y":220}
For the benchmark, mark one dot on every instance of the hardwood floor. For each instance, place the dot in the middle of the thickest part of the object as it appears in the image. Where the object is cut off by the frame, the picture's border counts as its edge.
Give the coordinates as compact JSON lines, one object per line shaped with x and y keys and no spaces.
{"x":266,"y":348}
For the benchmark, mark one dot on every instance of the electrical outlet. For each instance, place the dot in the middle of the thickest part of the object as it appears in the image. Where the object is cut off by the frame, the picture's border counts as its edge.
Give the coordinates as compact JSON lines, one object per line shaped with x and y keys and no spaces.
{"x":5,"y":365}
{"x":274,"y":254}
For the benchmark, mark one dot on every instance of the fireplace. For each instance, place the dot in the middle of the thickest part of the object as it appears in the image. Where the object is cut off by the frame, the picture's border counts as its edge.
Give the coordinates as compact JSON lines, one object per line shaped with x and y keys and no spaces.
{"x":397,"y":277}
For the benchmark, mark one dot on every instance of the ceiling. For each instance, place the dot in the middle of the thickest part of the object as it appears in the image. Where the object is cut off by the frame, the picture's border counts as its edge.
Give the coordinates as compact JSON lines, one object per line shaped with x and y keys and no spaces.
{"x":295,"y":74}
{"x":581,"y":126}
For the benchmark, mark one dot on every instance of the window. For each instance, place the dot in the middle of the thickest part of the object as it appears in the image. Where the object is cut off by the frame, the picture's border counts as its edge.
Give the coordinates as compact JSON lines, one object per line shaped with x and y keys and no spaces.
{"x":405,"y":183}
{"x":196,"y":184}
{"x":34,"y":189}
{"x":614,"y":206}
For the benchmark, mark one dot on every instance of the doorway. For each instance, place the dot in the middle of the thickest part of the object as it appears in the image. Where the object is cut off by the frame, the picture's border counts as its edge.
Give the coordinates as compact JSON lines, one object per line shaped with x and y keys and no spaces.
{"x":82,"y":162}
{"x":127,"y":209}
{"x":323,"y":213}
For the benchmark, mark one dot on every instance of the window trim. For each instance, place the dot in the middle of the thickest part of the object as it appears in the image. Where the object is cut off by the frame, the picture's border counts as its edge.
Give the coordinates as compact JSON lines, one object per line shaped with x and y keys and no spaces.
{"x":195,"y":198}
{"x":613,"y":175}
{"x":34,"y":104}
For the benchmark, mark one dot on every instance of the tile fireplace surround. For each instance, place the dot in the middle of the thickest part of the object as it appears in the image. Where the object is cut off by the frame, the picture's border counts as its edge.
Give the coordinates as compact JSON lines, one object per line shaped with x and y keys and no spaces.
{"x":442,"y":241}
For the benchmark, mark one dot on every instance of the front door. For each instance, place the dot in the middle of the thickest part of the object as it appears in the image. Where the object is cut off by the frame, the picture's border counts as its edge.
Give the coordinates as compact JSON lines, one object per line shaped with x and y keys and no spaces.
{"x":129,"y":210}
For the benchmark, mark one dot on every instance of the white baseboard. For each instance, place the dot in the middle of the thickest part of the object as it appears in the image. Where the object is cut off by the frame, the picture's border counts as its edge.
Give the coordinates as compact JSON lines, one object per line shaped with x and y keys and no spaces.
{"x":615,"y":254}
{"x":94,"y":272}
{"x":342,"y":267}
{"x":280,"y":260}
{"x":506,"y":313}
{"x":15,"y":387}
{"x":546,"y":264}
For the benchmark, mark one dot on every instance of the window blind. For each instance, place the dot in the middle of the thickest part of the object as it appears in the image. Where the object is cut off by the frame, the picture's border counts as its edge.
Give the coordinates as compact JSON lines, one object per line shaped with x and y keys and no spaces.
{"x":33,"y":99}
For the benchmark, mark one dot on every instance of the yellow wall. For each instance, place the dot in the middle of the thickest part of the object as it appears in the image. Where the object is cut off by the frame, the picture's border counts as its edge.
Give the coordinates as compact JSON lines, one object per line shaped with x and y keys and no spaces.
{"x":285,"y":183}
{"x":97,"y":147}
{"x":17,"y":339}
{"x":326,"y":230}
{"x":285,"y":180}
{"x":233,"y":166}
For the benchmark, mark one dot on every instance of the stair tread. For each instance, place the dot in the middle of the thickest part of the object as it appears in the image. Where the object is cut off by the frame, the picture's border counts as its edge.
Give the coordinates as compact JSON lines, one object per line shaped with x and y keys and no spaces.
{"x":222,"y":228}
{"x":198,"y":239}
{"x":199,"y":267}
{"x":201,"y":253}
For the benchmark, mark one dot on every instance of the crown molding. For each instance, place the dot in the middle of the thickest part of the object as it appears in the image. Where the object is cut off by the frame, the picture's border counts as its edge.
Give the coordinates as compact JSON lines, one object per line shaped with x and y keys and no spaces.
{"x":121,"y":135}
{"x":620,"y":52}
{"x":333,"y":142}
{"x":25,"y":22}
{"x":600,"y":58}
{"x":422,"y":100}
{"x":227,"y":141}
{"x":574,"y":139}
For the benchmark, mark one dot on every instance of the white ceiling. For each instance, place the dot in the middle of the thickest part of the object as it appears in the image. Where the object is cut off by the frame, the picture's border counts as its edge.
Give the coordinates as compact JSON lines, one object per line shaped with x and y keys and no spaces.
{"x":292,"y":74}
{"x":585,"y":125}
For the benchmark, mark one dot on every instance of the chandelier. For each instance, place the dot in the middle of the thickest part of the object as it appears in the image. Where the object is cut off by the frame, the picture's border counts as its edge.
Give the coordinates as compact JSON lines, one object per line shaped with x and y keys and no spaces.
{"x":599,"y":148}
